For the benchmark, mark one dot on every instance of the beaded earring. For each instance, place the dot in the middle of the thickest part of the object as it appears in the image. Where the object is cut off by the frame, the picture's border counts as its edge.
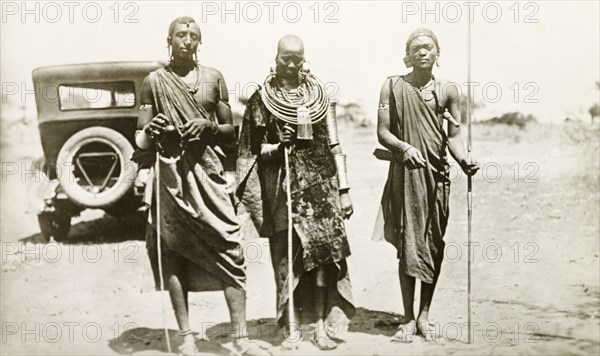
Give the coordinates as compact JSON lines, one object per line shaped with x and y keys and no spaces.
{"x":169,"y":50}
{"x":304,"y":70}
{"x":306,"y":66}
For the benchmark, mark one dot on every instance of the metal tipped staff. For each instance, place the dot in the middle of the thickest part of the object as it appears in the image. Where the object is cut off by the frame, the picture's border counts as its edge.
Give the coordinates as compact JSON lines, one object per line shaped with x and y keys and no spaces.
{"x":288,"y":190}
{"x":469,"y":182}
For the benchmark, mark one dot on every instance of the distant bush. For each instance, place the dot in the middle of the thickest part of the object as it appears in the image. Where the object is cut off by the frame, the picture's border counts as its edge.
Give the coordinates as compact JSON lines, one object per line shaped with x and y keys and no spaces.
{"x":352,"y":112}
{"x":594,"y":111}
{"x":512,"y":119}
{"x":475,"y":105}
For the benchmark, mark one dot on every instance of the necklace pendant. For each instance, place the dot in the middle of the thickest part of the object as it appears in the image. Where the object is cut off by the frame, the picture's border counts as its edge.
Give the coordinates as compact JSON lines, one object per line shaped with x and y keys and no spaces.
{"x":193,"y":90}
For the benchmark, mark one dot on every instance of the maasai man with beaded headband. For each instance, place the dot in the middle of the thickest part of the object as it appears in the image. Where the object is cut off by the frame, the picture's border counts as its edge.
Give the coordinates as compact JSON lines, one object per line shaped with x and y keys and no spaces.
{"x":414,"y":207}
{"x":319,"y":191}
{"x":187,"y":119}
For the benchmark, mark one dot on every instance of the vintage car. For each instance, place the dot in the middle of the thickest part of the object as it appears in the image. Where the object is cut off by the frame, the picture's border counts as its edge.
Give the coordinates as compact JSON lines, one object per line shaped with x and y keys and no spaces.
{"x":87,"y":118}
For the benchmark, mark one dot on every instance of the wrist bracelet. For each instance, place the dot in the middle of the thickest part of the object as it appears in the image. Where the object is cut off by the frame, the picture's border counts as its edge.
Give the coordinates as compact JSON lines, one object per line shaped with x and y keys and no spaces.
{"x":332,"y":130}
{"x":340,"y":165}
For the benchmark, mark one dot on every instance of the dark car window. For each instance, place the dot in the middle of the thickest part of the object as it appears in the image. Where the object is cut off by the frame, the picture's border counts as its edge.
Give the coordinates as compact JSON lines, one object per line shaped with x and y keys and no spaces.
{"x":104,"y":95}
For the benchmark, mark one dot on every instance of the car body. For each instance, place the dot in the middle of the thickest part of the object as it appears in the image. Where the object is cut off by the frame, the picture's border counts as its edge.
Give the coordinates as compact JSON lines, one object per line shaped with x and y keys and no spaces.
{"x":87,"y":118}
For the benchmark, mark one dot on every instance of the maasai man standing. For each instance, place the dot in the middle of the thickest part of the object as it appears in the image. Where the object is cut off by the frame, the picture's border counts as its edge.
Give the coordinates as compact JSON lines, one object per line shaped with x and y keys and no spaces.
{"x":319,"y":191}
{"x":414,"y":207}
{"x":186,"y":112}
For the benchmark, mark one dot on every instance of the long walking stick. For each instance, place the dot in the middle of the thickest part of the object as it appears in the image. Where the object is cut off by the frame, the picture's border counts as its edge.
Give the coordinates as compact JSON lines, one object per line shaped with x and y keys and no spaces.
{"x":159,"y":249}
{"x":288,"y":190}
{"x":469,"y":182}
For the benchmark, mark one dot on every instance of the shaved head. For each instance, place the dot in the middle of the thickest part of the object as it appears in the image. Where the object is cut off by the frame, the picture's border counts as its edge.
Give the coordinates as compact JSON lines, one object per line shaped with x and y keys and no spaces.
{"x":290,"y":56}
{"x":290,"y":43}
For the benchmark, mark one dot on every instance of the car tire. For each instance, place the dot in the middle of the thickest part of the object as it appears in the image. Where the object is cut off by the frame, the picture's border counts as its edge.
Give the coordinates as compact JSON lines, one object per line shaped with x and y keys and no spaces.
{"x":54,"y":224}
{"x":65,"y":163}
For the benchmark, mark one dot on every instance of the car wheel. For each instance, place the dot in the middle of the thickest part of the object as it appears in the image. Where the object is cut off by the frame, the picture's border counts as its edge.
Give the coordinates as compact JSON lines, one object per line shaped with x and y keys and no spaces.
{"x":54,"y":224}
{"x":94,"y":167}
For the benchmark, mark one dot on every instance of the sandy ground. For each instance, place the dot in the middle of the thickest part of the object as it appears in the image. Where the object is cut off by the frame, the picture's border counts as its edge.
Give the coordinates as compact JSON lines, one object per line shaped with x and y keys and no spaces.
{"x":535,"y":268}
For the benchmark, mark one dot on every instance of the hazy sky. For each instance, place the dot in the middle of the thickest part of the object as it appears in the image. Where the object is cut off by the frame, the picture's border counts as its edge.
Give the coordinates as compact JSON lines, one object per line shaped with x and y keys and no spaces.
{"x":544,"y":56}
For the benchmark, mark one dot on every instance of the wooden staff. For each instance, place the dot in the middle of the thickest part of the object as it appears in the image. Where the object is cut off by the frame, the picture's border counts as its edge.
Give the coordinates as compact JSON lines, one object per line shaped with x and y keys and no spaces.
{"x":288,"y":190}
{"x":469,"y":182}
{"x":158,"y":237}
{"x":159,"y":249}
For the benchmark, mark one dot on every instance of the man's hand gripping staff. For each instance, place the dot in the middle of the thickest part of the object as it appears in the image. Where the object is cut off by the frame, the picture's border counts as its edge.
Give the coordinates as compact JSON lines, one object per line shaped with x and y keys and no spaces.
{"x":161,"y":131}
{"x":413,"y":158}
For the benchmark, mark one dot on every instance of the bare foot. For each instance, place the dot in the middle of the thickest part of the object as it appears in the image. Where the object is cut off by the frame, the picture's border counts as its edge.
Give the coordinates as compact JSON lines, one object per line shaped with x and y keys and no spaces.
{"x":290,"y":343}
{"x":321,"y":339}
{"x":245,"y":347}
{"x":405,"y":332}
{"x":292,"y":340}
{"x":187,"y":347}
{"x":427,"y":330}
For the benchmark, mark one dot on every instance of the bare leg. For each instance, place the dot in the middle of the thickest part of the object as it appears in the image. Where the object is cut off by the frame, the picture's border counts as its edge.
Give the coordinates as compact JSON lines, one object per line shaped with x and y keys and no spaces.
{"x":408,"y":328}
{"x":321,"y":292}
{"x":236,"y":301}
{"x":179,"y":300}
{"x":321,"y":339}
{"x":427,"y":290}
{"x":407,"y":286}
{"x":428,"y":331}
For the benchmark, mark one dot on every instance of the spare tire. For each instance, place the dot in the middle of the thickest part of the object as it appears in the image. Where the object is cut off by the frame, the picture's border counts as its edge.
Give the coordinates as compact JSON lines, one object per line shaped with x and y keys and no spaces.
{"x":94,"y":167}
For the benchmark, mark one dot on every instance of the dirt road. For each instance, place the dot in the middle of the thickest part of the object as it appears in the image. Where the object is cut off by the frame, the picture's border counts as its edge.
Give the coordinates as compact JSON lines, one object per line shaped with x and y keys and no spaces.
{"x":535,"y":270}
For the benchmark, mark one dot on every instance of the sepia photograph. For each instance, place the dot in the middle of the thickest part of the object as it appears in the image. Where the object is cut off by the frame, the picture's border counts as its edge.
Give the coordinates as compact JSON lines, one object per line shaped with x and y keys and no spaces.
{"x":300,"y":177}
